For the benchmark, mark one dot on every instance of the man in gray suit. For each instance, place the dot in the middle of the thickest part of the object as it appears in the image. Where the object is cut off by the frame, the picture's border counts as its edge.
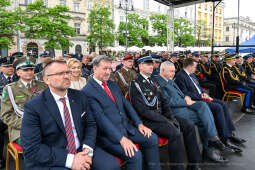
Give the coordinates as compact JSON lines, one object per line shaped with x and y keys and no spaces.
{"x":184,"y":106}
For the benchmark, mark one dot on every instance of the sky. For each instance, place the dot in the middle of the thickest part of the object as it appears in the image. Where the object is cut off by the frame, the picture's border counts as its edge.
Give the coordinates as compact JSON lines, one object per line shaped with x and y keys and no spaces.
{"x":247,"y":8}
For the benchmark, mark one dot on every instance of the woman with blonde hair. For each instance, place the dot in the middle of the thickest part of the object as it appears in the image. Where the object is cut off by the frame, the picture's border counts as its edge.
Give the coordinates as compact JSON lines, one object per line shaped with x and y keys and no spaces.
{"x":77,"y":82}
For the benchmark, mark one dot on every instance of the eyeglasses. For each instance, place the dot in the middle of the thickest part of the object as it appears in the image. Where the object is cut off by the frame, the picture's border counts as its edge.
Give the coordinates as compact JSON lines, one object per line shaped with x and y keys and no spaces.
{"x":61,"y":73}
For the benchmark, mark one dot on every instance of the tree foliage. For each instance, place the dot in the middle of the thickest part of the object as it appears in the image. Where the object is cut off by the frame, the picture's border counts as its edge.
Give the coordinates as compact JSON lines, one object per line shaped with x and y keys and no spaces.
{"x":101,"y":27}
{"x":183,"y":32}
{"x":10,"y":22}
{"x":137,"y":31}
{"x":158,"y":22}
{"x":50,"y":24}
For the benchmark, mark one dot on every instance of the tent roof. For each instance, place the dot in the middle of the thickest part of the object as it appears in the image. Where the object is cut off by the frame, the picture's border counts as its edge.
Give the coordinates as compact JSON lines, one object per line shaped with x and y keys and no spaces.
{"x":181,"y":3}
{"x":244,"y":49}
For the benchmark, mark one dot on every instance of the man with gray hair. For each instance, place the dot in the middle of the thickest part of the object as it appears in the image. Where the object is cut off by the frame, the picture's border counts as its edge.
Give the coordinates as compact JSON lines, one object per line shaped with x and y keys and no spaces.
{"x":183,"y":106}
{"x":115,"y":134}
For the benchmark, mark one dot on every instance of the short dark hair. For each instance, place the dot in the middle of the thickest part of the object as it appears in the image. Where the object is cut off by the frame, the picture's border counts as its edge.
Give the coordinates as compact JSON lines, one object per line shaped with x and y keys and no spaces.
{"x":48,"y":64}
{"x":188,"y":62}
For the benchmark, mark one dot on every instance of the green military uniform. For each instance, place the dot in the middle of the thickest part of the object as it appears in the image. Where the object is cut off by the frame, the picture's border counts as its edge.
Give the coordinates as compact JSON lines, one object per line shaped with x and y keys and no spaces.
{"x":123,"y":78}
{"x":20,"y":94}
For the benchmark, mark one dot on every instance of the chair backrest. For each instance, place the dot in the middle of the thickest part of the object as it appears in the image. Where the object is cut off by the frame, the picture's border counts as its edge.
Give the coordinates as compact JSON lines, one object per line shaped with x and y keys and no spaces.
{"x":222,"y":83}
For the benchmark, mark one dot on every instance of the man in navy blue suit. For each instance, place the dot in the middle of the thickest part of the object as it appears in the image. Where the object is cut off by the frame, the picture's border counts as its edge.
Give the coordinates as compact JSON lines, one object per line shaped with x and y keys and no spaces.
{"x":58,"y":129}
{"x":189,"y":85}
{"x":111,"y":111}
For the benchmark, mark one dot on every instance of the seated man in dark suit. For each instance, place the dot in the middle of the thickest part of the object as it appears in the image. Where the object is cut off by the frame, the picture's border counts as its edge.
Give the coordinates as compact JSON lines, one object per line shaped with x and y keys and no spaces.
{"x":115,"y":133}
{"x":157,"y":115}
{"x":58,"y":129}
{"x":189,"y":85}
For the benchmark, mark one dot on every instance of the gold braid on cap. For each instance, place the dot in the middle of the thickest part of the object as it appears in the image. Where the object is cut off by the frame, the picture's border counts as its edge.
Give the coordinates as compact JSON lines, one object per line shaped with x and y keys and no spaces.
{"x":239,"y":72}
{"x":207,"y":72}
{"x":234,"y":77}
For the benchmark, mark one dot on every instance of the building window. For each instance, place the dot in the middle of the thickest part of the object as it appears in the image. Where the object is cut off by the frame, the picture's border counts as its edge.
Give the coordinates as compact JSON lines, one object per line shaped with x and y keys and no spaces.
{"x":77,"y":27}
{"x":122,"y":18}
{"x":62,"y":2}
{"x":89,"y":27}
{"x":145,"y":4}
{"x":227,"y":38}
{"x":78,"y":49}
{"x":90,"y":4}
{"x":46,"y":3}
{"x":76,"y":7}
{"x":206,"y":7}
{"x":159,"y":6}
{"x":28,"y":2}
{"x":227,"y":28}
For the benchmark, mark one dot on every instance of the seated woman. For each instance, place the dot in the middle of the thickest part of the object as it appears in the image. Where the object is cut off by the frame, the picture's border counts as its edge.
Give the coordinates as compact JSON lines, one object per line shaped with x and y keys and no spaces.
{"x":77,"y":82}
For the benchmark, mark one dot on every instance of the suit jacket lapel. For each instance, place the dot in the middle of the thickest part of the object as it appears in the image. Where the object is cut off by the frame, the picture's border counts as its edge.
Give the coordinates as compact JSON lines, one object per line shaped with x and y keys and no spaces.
{"x":75,"y":113}
{"x":53,"y":108}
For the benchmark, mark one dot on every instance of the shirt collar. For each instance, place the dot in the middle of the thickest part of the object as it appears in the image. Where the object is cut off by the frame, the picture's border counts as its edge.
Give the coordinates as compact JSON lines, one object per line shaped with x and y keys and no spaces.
{"x":25,"y":83}
{"x":144,"y":76}
{"x":57,"y":97}
{"x":7,"y":76}
{"x":186,"y":72}
{"x":229,"y":65}
{"x":98,"y":81}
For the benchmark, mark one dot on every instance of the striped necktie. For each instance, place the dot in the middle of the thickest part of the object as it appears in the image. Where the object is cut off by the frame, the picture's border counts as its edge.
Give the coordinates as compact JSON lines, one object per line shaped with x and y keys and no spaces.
{"x":68,"y":128}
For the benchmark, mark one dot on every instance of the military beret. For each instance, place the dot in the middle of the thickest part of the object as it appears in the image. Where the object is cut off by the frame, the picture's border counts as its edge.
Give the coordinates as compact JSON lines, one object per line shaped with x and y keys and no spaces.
{"x":145,"y":59}
{"x":128,"y":57}
{"x":24,"y":63}
{"x":17,"y":54}
{"x":6,"y":61}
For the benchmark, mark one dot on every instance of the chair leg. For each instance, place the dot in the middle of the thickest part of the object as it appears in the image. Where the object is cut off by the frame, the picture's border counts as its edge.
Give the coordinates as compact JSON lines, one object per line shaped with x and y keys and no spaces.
{"x":7,"y":158}
{"x":17,"y":161}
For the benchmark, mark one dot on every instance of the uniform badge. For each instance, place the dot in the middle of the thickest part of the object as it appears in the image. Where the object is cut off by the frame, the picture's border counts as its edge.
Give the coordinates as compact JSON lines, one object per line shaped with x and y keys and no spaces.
{"x":148,"y":98}
{"x":4,"y":94}
{"x":144,"y":81}
{"x":151,"y":93}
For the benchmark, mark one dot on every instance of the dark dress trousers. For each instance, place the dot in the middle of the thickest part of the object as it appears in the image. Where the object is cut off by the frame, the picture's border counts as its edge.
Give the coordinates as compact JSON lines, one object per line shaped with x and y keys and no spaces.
{"x":113,"y":124}
{"x":159,"y":118}
{"x":43,"y":135}
{"x":220,"y":110}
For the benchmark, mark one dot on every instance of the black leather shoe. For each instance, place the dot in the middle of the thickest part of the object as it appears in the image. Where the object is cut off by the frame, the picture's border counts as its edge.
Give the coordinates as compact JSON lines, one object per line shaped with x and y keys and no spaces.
{"x":234,"y":147}
{"x":216,"y":157}
{"x":193,"y":167}
{"x":248,"y":111}
{"x":237,"y":140}
{"x":217,"y":144}
{"x":252,"y":106}
{"x":2,"y":163}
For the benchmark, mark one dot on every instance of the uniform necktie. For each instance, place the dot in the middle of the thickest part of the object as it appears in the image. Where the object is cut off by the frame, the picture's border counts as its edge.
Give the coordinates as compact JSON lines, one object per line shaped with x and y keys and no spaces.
{"x":9,"y":80}
{"x":29,"y":87}
{"x":68,"y":128}
{"x":107,"y":90}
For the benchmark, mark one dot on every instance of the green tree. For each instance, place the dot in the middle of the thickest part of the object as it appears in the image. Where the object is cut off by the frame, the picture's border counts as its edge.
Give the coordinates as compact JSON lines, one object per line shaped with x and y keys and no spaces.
{"x":183,"y":32}
{"x":137,"y":28}
{"x":203,"y":33}
{"x":10,"y":22}
{"x":50,"y":24}
{"x":101,"y":27}
{"x":158,"y":22}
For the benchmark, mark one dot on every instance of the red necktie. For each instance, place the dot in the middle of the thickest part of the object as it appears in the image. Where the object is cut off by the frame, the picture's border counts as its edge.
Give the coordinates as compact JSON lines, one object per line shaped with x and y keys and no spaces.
{"x":109,"y":92}
{"x":68,"y":128}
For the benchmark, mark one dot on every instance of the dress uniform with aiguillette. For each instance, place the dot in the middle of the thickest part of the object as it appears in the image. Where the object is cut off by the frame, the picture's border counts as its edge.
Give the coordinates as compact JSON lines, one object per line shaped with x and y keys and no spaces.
{"x":156,"y":114}
{"x":15,"y":95}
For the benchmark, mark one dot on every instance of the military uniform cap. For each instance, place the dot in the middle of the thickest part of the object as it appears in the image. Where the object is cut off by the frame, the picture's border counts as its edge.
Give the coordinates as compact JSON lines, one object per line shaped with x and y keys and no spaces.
{"x":24,"y":63}
{"x":17,"y":54}
{"x":145,"y":59}
{"x":204,"y":54}
{"x":195,"y":54}
{"x":174,"y":55}
{"x":230,"y":57}
{"x":6,"y":61}
{"x":156,"y":58}
{"x":181,"y":55}
{"x":247,"y":56}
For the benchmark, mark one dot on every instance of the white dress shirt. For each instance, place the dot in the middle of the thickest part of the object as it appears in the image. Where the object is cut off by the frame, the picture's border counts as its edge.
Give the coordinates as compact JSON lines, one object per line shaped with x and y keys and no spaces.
{"x":99,"y":82}
{"x":25,"y":83}
{"x":198,"y":89}
{"x":146,"y":78}
{"x":70,"y":157}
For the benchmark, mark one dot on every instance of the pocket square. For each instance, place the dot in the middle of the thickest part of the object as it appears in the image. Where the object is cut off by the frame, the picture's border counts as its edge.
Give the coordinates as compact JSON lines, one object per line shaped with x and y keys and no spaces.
{"x":83,"y":114}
